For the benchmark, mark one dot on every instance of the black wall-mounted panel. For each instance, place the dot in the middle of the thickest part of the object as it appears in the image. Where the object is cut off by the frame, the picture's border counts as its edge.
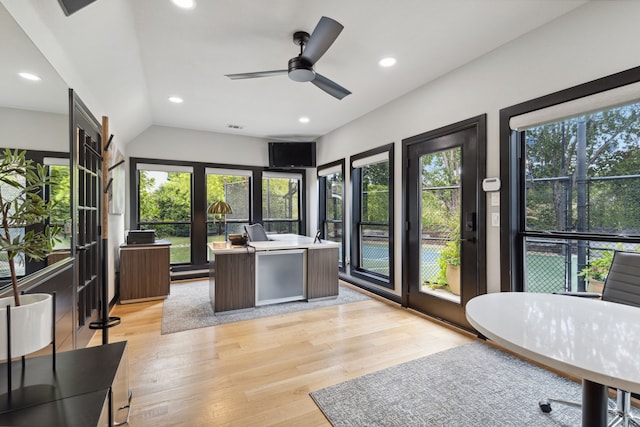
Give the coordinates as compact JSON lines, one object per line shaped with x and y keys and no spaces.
{"x":292,"y":154}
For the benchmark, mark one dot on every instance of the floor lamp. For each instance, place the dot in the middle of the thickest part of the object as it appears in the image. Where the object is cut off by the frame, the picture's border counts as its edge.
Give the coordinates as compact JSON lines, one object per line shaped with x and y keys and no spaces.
{"x":220,"y":208}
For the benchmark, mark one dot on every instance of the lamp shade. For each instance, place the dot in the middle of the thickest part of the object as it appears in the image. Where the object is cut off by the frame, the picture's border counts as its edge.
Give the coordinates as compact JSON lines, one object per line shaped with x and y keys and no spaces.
{"x":219,"y":208}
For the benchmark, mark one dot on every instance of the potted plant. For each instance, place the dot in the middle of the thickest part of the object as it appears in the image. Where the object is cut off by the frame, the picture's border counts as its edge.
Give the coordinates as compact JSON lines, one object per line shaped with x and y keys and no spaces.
{"x":596,"y":271}
{"x":449,"y":264}
{"x":21,"y":205}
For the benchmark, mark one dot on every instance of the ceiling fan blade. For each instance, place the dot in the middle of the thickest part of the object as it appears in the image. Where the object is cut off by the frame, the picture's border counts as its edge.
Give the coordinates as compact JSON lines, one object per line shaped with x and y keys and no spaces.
{"x":331,"y":87}
{"x":256,"y":74}
{"x":323,"y":36}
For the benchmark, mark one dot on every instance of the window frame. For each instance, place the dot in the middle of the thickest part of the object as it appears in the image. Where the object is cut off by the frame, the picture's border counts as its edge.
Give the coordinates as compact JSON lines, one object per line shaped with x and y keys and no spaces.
{"x":230,"y":172}
{"x":199,"y":249}
{"x":289,"y":174}
{"x":356,"y":269}
{"x":322,"y":206}
{"x":512,"y":169}
{"x":165,"y":167}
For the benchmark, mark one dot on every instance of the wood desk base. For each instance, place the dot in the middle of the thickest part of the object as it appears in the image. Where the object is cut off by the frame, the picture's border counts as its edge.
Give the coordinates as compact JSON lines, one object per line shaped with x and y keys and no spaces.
{"x":232,"y":283}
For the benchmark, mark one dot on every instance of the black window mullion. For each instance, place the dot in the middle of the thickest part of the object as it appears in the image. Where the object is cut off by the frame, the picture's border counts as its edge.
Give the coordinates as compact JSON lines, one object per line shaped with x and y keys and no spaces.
{"x":199,"y":215}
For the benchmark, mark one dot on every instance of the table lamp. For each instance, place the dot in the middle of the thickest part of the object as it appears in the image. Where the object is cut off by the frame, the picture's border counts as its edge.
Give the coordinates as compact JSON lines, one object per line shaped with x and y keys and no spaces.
{"x":220,"y":208}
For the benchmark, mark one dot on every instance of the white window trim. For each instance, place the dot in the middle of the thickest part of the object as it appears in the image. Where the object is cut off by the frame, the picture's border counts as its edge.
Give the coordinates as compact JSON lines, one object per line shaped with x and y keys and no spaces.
{"x":589,"y":104}
{"x":55,"y":161}
{"x":371,"y":160}
{"x":329,"y":171}
{"x":163,"y":168}
{"x":228,"y":172}
{"x":269,"y":174}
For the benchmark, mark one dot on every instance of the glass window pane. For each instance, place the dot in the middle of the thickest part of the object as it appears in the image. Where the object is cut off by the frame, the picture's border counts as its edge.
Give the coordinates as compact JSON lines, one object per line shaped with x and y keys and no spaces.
{"x":334,"y":194}
{"x":582,"y":173}
{"x":280,"y":198}
{"x":19,"y":259}
{"x":164,"y":196}
{"x":375,"y":192}
{"x":280,"y":227}
{"x":440,"y":222}
{"x":553,"y":265}
{"x":59,"y":193}
{"x":374,"y":249}
{"x":235,"y":190}
{"x":232,"y":189}
{"x":180,"y":237}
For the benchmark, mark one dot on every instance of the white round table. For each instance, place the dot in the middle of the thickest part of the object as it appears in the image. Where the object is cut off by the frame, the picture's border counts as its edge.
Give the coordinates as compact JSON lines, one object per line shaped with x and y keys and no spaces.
{"x":595,"y":340}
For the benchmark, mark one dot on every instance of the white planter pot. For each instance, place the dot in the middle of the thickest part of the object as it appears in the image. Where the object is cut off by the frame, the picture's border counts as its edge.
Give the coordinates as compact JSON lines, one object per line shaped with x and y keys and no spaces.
{"x":31,"y":324}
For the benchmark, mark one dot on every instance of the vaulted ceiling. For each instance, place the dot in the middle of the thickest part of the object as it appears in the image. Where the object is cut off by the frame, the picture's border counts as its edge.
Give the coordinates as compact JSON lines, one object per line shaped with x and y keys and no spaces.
{"x":127,"y":57}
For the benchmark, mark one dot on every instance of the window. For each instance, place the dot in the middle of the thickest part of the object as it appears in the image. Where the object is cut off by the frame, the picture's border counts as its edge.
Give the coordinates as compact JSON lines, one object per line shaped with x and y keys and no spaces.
{"x":579,"y":188}
{"x":281,"y":202}
{"x":58,"y":192}
{"x":172,"y":197}
{"x":372,"y":217}
{"x":232,"y":186}
{"x":331,"y":204}
{"x":164,"y":197}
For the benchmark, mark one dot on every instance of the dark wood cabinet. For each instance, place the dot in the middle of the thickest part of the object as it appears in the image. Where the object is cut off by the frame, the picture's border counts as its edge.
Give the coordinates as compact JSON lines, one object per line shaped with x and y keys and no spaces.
{"x":234,"y":285}
{"x":144,"y":271}
{"x":322,"y":273}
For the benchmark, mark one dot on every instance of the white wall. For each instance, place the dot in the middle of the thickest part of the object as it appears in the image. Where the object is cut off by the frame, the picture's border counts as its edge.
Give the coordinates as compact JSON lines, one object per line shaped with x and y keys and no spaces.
{"x":34,"y":130}
{"x":593,"y":41}
{"x":161,"y":142}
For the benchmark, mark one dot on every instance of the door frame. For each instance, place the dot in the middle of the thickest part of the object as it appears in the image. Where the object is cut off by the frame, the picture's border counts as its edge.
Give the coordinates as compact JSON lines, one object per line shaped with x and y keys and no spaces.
{"x":81,"y":117}
{"x":479,"y":123}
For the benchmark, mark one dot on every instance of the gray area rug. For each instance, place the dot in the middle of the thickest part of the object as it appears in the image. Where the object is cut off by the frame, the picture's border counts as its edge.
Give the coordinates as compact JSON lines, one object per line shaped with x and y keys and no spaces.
{"x":188,"y":307}
{"x":470,"y":385}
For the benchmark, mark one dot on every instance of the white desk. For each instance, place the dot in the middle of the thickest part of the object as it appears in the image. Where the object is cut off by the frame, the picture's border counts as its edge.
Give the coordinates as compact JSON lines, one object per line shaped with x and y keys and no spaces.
{"x":594,"y":340}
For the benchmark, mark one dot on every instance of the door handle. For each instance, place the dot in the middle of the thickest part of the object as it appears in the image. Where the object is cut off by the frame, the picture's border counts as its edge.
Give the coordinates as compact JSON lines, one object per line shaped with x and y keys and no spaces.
{"x":470,"y":240}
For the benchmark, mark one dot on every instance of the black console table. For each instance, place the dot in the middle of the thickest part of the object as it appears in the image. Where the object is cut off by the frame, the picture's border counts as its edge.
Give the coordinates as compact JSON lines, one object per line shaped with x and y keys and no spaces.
{"x":88,"y":388}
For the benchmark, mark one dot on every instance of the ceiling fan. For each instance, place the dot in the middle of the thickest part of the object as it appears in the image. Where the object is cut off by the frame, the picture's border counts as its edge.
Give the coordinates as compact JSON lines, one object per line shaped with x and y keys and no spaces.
{"x":311,"y":49}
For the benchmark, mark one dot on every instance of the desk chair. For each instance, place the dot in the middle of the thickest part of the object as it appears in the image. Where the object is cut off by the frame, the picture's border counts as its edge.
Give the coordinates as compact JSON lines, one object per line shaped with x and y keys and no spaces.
{"x":621,"y":286}
{"x":256,"y":233}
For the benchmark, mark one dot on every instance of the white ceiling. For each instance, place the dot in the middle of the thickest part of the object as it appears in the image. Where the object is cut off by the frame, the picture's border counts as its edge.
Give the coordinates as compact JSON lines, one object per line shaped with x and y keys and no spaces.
{"x":126,"y":57}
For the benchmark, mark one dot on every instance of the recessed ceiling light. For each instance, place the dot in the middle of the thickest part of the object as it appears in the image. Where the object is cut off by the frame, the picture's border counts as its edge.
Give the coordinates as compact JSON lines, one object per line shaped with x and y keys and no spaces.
{"x":176,"y":99}
{"x":185,"y":4}
{"x":29,"y":76}
{"x":304,"y":120}
{"x":387,"y":62}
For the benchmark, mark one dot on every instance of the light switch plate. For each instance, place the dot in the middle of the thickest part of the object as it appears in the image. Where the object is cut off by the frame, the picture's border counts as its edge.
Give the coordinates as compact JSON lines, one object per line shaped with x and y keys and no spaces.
{"x":495,"y":219}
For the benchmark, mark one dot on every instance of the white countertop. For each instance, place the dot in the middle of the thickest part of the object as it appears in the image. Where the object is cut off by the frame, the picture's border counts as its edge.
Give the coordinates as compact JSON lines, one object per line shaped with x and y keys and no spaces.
{"x":278,"y":242}
{"x":590,"y":339}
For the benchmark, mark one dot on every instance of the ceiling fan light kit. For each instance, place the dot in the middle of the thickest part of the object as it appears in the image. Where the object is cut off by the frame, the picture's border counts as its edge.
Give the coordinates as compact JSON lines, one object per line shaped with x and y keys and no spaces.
{"x":312,"y":47}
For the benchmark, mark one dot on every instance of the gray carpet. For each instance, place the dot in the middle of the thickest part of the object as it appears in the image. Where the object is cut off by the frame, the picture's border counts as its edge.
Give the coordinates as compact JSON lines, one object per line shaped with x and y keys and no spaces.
{"x":188,"y":307}
{"x":470,"y":385}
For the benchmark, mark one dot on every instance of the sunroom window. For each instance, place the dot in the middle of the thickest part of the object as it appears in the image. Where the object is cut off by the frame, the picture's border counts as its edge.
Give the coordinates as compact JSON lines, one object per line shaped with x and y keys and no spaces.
{"x":580,"y":185}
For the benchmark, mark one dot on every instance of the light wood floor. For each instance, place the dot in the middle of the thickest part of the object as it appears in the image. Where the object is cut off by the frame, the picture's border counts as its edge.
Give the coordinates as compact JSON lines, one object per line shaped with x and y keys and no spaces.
{"x":260,"y":372}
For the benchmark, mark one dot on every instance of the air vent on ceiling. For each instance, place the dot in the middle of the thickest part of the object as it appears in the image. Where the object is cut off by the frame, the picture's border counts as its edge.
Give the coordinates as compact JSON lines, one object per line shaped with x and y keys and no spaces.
{"x":72,"y":6}
{"x":232,"y":126}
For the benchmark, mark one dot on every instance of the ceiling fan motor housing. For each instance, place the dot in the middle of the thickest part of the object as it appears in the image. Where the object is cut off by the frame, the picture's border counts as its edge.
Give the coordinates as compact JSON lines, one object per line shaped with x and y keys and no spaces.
{"x":301,"y":70}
